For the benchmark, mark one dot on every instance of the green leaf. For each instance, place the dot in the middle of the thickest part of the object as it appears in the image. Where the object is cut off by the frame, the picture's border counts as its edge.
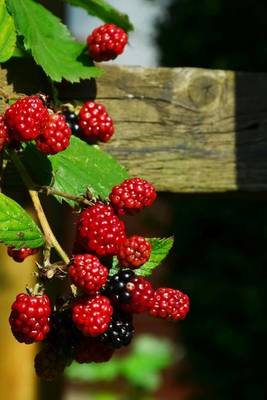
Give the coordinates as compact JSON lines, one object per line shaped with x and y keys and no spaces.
{"x":17,"y":228}
{"x":7,"y":33}
{"x":50,"y":42}
{"x":94,"y":372}
{"x":79,"y":168}
{"x":104,"y":11}
{"x":160,"y":249}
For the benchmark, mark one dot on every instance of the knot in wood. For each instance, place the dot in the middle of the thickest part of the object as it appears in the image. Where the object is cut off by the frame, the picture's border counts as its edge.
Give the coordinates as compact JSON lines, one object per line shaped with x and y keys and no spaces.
{"x":203,"y":91}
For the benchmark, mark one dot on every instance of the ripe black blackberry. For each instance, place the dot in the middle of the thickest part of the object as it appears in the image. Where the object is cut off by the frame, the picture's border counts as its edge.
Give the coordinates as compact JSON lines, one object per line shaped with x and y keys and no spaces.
{"x":73,"y":122}
{"x":117,"y":287}
{"x":120,"y":331}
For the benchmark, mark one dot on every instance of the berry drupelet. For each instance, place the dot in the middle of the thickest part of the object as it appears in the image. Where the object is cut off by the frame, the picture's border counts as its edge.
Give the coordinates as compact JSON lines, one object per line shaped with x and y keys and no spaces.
{"x":4,"y":137}
{"x":30,"y":318}
{"x":55,"y":136}
{"x":19,"y":255}
{"x":170,"y":304}
{"x":134,"y":252}
{"x":73,"y":122}
{"x":87,"y":273}
{"x":92,"y":315}
{"x":120,"y":331}
{"x":26,"y":118}
{"x":106,"y":42}
{"x":99,"y":230}
{"x":132,"y":195}
{"x":95,"y":123}
{"x":129,"y":292}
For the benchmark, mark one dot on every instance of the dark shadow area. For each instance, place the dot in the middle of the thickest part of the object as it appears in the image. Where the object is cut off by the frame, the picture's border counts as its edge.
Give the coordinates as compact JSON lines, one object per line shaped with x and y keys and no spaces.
{"x":220,"y":260}
{"x":220,"y":256}
{"x":35,"y":81}
{"x":251,"y":131}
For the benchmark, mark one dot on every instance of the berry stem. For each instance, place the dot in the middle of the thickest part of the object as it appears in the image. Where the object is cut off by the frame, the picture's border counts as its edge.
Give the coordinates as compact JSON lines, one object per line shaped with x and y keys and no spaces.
{"x":49,"y":235}
{"x":52,"y":192}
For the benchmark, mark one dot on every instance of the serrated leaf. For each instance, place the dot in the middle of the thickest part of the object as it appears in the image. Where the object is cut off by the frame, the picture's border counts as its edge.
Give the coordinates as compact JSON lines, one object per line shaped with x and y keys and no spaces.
{"x":50,"y":42}
{"x":7,"y":33}
{"x":17,"y":228}
{"x":78,"y":168}
{"x":81,"y":167}
{"x":105,"y":11}
{"x":160,"y":249}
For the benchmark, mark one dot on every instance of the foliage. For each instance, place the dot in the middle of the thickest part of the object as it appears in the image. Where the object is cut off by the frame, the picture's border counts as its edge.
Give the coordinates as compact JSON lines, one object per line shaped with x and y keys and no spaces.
{"x":48,"y":40}
{"x":79,"y":168}
{"x":7,"y":33}
{"x":17,"y":228}
{"x":104,"y":11}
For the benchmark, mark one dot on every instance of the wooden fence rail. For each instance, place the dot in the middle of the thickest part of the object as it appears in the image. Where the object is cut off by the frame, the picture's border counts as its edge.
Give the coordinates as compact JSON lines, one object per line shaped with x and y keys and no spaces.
{"x":185,"y":129}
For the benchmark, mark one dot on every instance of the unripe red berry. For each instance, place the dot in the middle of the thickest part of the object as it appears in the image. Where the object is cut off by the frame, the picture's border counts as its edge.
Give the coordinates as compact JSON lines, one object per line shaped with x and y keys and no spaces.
{"x":4,"y":138}
{"x":132,"y":195}
{"x":55,"y":136}
{"x":141,"y":292}
{"x":106,"y":42}
{"x":134,"y":252}
{"x":26,"y":118}
{"x":92,"y":315}
{"x":99,"y":230}
{"x":30,"y":318}
{"x":170,"y":304}
{"x":87,"y":273}
{"x":19,"y":255}
{"x":95,"y":123}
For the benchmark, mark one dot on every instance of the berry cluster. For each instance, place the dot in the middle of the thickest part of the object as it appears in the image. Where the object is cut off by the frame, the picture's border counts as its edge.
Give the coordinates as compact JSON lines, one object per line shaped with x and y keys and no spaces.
{"x":30,"y":119}
{"x":98,"y":319}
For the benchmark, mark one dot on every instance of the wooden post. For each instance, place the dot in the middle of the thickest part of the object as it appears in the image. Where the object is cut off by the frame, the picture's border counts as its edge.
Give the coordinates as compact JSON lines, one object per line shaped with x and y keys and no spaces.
{"x":17,"y":380}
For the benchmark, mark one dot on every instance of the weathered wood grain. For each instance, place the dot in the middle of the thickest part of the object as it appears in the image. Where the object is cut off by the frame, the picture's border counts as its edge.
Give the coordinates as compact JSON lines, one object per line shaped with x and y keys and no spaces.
{"x":185,"y":129}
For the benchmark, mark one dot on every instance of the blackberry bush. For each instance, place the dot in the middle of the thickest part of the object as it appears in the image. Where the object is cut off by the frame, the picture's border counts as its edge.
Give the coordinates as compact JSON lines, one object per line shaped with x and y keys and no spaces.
{"x":51,"y":145}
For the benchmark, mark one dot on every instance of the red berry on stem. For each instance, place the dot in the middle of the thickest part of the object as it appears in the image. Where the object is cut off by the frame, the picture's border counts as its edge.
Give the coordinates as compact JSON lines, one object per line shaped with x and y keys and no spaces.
{"x":30,"y":318}
{"x":106,"y":42}
{"x":132,"y":195}
{"x":87,"y":273}
{"x":19,"y":255}
{"x":92,"y":315}
{"x":170,"y":304}
{"x":4,"y":139}
{"x":26,"y":118}
{"x":55,"y":136}
{"x":95,"y":123}
{"x":134,"y":252}
{"x":141,"y":292}
{"x":99,"y":230}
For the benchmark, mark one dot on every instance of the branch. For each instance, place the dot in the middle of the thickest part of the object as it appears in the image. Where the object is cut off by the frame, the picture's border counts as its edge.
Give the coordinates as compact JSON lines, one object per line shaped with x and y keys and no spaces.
{"x":50,"y":238}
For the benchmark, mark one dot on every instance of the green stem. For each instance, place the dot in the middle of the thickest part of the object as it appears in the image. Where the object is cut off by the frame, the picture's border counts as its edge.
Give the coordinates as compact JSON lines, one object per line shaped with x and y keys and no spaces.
{"x":50,"y":238}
